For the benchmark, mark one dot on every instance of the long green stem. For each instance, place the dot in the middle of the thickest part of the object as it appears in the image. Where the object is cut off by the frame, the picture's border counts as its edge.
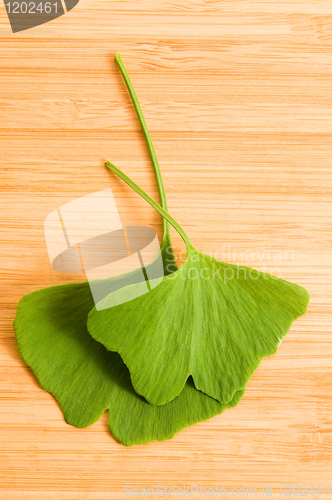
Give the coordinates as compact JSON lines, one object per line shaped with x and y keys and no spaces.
{"x":155,"y":205}
{"x":153,"y":156}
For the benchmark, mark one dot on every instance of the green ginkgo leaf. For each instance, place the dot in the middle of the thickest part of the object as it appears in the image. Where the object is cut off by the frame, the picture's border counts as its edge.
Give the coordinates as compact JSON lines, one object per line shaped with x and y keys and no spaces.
{"x":209,"y":320}
{"x":86,"y":379}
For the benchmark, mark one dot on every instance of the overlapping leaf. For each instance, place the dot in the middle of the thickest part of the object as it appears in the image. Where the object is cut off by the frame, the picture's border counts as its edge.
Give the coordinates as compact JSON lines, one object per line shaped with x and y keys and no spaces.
{"x":86,"y":379}
{"x":209,"y":320}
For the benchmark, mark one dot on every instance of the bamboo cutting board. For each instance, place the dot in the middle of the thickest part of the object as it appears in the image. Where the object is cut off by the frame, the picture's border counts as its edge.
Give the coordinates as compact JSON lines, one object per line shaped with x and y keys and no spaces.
{"x":237,"y":96}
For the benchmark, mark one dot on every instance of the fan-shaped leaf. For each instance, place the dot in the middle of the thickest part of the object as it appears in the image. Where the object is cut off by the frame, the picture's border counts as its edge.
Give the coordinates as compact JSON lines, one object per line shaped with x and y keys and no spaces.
{"x":86,"y":379}
{"x":209,"y":320}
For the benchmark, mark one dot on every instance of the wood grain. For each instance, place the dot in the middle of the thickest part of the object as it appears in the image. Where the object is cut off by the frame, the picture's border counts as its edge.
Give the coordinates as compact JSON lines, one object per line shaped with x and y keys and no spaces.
{"x":237,"y":95}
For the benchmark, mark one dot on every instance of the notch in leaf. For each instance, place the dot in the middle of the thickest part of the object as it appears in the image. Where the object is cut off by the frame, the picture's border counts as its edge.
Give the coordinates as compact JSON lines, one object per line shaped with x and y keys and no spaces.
{"x":209,"y":320}
{"x":86,"y":379}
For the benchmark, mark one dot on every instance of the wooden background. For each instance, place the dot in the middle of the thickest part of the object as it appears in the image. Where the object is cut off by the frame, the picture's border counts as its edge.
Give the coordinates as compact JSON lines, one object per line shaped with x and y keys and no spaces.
{"x":237,"y":95}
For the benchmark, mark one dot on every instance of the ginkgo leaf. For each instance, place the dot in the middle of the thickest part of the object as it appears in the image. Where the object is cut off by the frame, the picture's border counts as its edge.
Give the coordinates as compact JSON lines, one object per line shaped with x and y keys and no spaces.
{"x":209,"y":320}
{"x":86,"y":379}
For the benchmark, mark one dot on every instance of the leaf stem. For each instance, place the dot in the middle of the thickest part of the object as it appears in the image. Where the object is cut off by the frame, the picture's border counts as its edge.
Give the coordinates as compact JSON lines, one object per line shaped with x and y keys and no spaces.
{"x":153,"y":156}
{"x":155,"y":205}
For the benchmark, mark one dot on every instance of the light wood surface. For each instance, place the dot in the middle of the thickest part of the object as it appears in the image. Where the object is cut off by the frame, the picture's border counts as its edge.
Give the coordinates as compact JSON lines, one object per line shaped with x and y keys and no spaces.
{"x":237,"y":95}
